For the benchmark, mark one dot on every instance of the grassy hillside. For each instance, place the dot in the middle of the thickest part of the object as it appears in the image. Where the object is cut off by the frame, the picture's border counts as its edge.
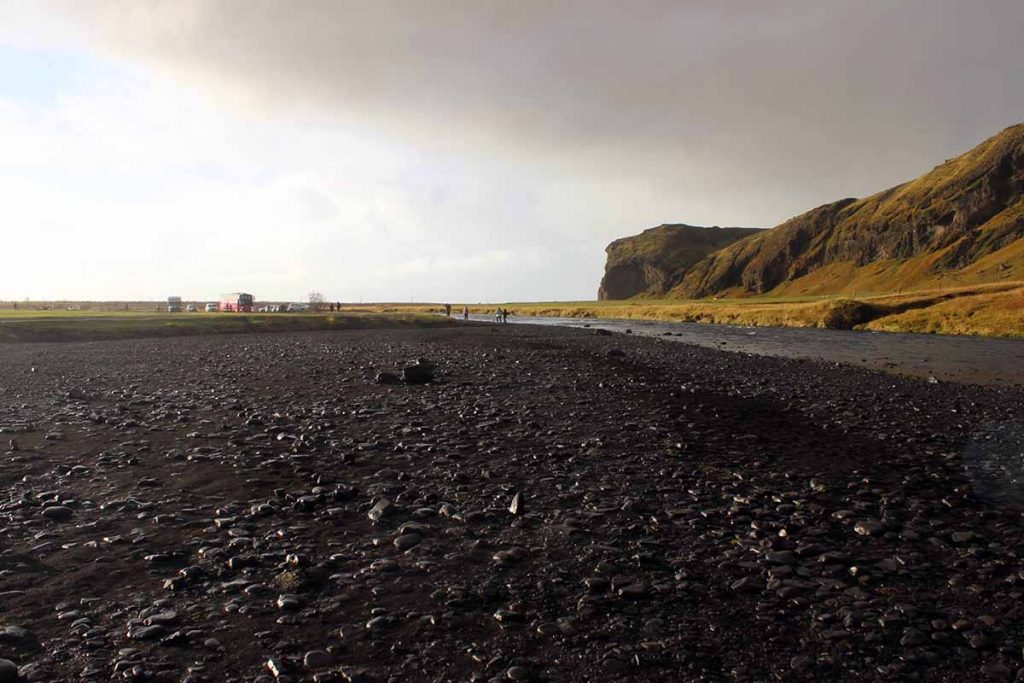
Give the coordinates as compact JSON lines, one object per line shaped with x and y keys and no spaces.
{"x":997,"y":312}
{"x":960,"y":224}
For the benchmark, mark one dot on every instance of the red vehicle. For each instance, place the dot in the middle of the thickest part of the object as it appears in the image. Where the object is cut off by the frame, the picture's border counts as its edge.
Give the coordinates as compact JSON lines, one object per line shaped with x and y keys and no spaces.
{"x":238,"y":302}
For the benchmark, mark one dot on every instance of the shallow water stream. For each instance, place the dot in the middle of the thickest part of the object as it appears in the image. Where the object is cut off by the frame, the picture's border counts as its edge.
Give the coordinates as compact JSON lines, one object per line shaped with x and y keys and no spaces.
{"x":974,"y":360}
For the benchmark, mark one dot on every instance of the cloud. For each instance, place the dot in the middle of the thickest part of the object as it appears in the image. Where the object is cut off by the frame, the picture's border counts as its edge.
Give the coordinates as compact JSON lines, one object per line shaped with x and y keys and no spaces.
{"x":612,"y":86}
{"x":146,"y":188}
{"x":346,"y":137}
{"x":478,"y":263}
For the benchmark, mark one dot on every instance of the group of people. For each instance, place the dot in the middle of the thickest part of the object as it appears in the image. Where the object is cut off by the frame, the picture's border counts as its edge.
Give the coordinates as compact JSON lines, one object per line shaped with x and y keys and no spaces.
{"x":448,"y":311}
{"x":500,"y":315}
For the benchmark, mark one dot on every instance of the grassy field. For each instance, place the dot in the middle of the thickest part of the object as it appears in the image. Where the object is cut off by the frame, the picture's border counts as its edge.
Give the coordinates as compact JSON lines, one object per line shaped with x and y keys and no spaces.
{"x":988,"y":309}
{"x":54,"y":325}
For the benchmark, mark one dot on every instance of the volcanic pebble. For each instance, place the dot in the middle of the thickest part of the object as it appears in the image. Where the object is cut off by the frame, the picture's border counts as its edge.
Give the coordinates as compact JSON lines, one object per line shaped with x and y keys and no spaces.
{"x":529,"y":504}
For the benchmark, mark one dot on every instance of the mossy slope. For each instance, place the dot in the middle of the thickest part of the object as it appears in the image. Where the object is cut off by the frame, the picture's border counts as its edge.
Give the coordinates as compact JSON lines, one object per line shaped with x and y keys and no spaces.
{"x":959,"y":224}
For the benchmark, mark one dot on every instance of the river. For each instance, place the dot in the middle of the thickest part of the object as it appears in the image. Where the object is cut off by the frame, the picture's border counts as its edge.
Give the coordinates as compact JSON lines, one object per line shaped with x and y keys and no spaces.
{"x":970,"y":360}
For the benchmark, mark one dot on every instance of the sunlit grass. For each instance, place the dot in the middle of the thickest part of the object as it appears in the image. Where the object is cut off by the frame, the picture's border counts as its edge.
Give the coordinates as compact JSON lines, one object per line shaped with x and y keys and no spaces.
{"x":992,"y":314}
{"x":990,"y":309}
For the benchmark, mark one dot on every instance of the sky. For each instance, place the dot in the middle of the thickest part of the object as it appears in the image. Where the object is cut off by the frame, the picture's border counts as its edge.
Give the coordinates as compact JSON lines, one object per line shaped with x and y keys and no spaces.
{"x":456,"y":151}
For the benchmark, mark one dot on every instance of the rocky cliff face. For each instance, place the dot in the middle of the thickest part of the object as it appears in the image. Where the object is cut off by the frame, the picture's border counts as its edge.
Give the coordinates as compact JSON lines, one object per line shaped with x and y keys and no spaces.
{"x":961,"y":223}
{"x":656,"y":260}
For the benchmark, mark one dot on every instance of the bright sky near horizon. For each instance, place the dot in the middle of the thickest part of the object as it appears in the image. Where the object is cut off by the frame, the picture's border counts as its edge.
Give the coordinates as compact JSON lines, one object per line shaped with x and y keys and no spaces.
{"x":456,"y":150}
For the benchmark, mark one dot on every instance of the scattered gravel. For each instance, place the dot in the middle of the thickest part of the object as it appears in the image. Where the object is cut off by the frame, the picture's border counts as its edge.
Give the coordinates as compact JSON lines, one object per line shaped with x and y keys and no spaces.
{"x":514,"y":503}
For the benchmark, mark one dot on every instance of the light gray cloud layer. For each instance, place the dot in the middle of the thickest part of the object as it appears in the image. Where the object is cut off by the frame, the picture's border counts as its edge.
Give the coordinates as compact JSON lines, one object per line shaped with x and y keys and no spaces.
{"x":828,"y":92}
{"x":581,"y":121}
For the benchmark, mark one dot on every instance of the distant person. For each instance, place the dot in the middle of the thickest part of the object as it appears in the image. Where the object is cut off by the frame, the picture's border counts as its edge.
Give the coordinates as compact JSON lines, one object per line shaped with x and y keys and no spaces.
{"x":465,"y":312}
{"x":332,"y":308}
{"x":448,"y":310}
{"x":337,"y":305}
{"x":504,"y":315}
{"x":497,"y":315}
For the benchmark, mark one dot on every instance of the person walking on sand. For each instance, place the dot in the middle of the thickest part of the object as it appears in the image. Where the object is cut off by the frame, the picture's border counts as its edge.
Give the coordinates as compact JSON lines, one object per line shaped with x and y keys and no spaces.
{"x":448,"y":310}
{"x":465,"y":312}
{"x":504,"y":315}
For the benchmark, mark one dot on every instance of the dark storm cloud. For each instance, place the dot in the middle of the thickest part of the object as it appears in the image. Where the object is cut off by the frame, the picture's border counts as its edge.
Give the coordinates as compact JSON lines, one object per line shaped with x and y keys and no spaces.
{"x":764,"y":107}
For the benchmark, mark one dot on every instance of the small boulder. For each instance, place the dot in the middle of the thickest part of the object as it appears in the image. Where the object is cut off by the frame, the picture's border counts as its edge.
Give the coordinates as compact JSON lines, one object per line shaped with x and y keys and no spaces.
{"x":748,"y":584}
{"x":407,"y":541}
{"x":869,"y":527}
{"x":384,"y":508}
{"x":317,"y":659}
{"x":58,"y":513}
{"x":516,"y":506}
{"x":420,"y":373}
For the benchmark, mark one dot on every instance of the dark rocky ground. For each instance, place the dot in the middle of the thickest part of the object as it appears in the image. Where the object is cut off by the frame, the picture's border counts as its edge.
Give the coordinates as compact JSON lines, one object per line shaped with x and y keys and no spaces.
{"x":200,"y":509}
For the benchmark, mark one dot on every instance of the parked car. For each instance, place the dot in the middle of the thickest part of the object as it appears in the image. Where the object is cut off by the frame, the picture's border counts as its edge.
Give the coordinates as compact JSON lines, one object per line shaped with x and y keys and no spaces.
{"x":298,"y":308}
{"x":191,"y":308}
{"x":211,"y":308}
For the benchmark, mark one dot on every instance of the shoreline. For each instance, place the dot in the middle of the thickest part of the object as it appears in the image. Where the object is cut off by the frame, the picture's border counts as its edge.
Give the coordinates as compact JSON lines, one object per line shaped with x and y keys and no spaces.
{"x":975,"y":360}
{"x":985,"y":310}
